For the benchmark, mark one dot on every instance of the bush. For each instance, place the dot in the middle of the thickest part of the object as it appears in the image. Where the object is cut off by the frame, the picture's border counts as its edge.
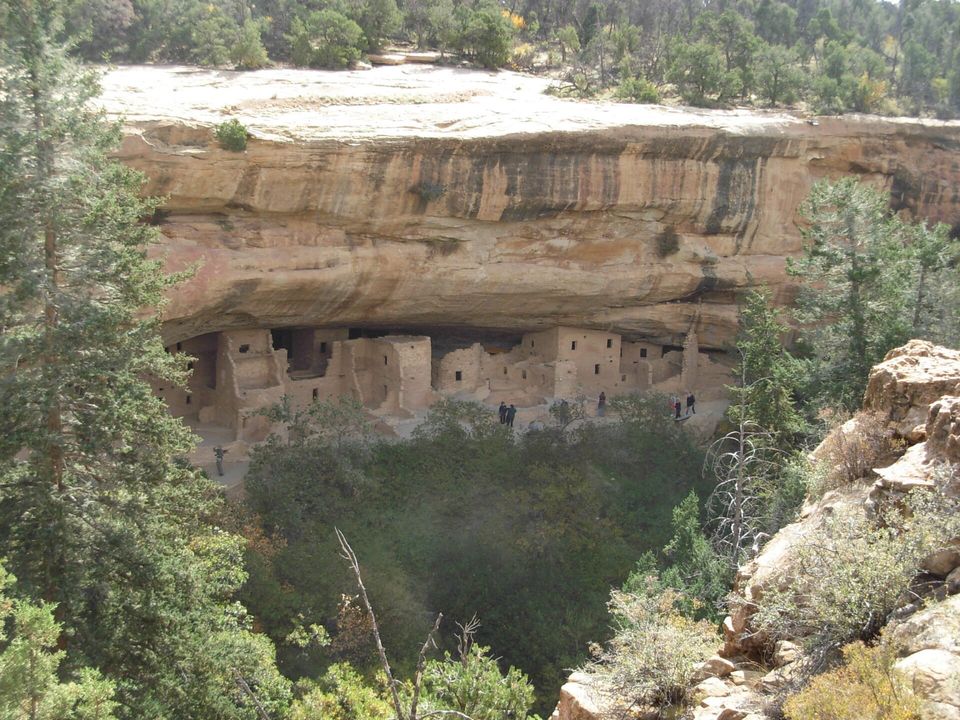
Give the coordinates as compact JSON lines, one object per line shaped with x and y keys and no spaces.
{"x":652,"y":656}
{"x":248,"y":52}
{"x":668,"y":242}
{"x":853,"y":572}
{"x":325,"y":39}
{"x":638,"y":90}
{"x":865,"y":687}
{"x":853,"y":449}
{"x":231,"y":135}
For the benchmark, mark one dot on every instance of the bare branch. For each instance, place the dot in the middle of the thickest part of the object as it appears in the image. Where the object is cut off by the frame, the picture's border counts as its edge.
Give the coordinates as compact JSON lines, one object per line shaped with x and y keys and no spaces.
{"x":421,"y":663}
{"x":351,"y":558}
{"x":245,"y":688}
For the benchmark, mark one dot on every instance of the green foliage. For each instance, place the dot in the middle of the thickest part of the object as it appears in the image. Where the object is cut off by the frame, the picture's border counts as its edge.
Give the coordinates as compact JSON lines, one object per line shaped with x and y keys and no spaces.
{"x":864,"y":687}
{"x":96,"y":515}
{"x":325,"y":39}
{"x":463,"y":519}
{"x":473,"y":684}
{"x":378,"y":19}
{"x":668,"y":242}
{"x":232,"y":135}
{"x":248,"y":53}
{"x":568,"y":40}
{"x":650,"y":659}
{"x":484,"y":34}
{"x":767,"y":373}
{"x":699,"y":72}
{"x":638,"y":90}
{"x":341,"y":694}
{"x":851,"y":301}
{"x":779,"y":77}
{"x":849,"y":576}
{"x":30,"y":687}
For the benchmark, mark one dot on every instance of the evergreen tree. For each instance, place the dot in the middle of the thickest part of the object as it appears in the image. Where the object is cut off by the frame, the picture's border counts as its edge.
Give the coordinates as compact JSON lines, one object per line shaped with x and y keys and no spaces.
{"x":767,"y":374}
{"x":96,"y":516}
{"x":854,"y":280}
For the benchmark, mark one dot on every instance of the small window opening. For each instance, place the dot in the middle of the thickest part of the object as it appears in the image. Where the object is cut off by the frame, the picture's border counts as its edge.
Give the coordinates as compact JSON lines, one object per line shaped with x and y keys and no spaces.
{"x":188,"y":399}
{"x":573,"y":345}
{"x":458,"y":375}
{"x":643,"y":352}
{"x":189,"y":366}
{"x":244,"y":348}
{"x":596,"y":369}
{"x":323,"y":347}
{"x":384,"y":359}
{"x":609,"y":342}
{"x":504,"y":371}
{"x":532,"y":343}
{"x":523,"y":374}
{"x":384,"y":392}
{"x":623,"y":378}
{"x":179,"y":346}
{"x":316,"y":394}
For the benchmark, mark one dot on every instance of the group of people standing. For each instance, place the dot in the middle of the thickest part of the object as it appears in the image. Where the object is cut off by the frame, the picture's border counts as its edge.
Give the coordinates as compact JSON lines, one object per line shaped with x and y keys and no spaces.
{"x":507,"y":414}
{"x":676,"y":405}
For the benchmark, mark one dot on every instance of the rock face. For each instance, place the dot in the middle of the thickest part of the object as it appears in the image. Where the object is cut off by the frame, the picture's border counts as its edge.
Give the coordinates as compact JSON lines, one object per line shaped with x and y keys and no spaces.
{"x":414,"y":198}
{"x":917,"y":381}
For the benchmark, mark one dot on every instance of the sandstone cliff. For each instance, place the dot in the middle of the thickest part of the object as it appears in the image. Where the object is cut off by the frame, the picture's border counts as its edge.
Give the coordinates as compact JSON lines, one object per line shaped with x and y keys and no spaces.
{"x":423,"y":198}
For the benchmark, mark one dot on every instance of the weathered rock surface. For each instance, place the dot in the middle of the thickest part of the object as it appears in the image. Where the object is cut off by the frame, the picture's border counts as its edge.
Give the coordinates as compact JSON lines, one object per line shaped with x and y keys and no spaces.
{"x":420,"y":197}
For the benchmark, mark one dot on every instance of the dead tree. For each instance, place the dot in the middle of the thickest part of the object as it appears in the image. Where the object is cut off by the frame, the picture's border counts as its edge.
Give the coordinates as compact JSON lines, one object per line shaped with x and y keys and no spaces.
{"x":347,"y":553}
{"x":744,"y":462}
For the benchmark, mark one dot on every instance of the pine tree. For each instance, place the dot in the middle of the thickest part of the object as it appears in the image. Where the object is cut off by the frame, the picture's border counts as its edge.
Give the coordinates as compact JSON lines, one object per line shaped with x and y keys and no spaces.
{"x":96,"y":514}
{"x":854,"y":275}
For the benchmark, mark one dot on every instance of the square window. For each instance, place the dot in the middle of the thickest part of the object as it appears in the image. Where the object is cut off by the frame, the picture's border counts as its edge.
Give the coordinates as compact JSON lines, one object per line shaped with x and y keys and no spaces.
{"x":244,"y":348}
{"x":643,"y":352}
{"x":459,"y":375}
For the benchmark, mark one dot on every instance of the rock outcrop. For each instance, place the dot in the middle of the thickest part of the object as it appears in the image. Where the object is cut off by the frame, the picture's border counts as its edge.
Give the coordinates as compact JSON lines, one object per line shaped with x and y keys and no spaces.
{"x":919,"y":380}
{"x":414,"y":198}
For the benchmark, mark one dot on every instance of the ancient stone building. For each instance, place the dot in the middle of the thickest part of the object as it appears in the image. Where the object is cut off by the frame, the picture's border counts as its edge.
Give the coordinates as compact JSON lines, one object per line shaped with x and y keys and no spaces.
{"x":238,"y":373}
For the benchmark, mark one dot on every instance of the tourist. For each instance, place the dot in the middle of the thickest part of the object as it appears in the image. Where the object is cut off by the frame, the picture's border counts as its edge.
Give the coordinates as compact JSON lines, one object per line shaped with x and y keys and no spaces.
{"x":218,"y":453}
{"x":691,"y":403}
{"x":676,"y":407}
{"x":503,"y":413}
{"x":602,"y":404}
{"x":511,"y":414}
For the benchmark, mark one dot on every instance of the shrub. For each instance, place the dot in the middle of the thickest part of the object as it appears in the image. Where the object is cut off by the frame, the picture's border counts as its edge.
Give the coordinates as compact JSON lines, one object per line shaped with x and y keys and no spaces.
{"x":341,"y":694}
{"x":865,"y":687}
{"x":473,"y":684}
{"x":638,"y":90}
{"x":231,"y":135}
{"x":853,"y":572}
{"x":325,"y":39}
{"x":853,"y":449}
{"x":248,"y":52}
{"x":668,"y":242}
{"x":652,"y":655}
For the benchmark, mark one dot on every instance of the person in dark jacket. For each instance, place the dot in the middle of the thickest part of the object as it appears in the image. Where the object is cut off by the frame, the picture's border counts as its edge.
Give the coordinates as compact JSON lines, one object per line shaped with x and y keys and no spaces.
{"x":691,"y":403}
{"x":503,"y":413}
{"x":511,"y":414}
{"x":676,"y":408}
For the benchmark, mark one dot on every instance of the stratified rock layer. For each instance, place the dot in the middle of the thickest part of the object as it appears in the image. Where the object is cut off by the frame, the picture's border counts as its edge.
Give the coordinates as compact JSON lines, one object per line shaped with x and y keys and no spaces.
{"x":419,"y":197}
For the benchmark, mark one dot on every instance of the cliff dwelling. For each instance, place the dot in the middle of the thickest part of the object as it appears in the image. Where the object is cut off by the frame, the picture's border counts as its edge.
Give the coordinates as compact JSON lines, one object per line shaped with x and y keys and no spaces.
{"x":238,"y":373}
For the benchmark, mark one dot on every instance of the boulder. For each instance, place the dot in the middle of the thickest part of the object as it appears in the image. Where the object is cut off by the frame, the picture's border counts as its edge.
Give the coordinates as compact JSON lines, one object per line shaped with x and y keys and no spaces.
{"x":785,"y":652}
{"x":715,"y":666}
{"x":934,"y":675}
{"x":711,"y":687}
{"x":909,"y":379}
{"x":578,"y":699}
{"x":943,"y":562}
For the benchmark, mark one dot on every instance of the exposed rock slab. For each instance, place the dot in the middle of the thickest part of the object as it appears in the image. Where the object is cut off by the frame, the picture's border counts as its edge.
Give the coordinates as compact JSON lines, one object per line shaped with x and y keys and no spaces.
{"x":420,"y":197}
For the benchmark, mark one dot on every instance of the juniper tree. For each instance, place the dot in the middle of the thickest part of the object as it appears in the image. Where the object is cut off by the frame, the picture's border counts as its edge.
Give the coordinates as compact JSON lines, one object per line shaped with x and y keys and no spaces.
{"x":96,"y":513}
